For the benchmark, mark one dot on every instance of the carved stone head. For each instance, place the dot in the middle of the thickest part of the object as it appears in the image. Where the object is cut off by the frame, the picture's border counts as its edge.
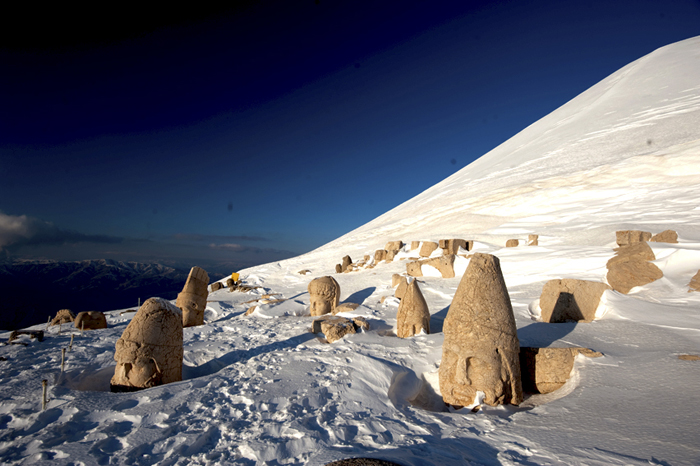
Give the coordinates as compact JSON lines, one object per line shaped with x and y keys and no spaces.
{"x":324,"y":294}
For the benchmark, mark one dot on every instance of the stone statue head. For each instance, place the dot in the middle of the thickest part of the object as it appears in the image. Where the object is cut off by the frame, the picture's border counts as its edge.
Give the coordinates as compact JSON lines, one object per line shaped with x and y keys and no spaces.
{"x":324,"y":294}
{"x":149,"y":352}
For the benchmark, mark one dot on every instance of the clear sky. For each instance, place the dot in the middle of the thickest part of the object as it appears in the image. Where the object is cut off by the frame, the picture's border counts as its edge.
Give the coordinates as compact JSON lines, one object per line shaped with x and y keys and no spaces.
{"x":226,"y":138}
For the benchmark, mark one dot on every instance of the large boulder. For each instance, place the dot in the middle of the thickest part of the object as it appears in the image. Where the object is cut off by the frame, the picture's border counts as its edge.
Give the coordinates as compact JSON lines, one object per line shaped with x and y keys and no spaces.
{"x":64,"y":316}
{"x":570,"y":300}
{"x":481,"y":348}
{"x":627,"y":237}
{"x":666,"y":236}
{"x":545,"y":370}
{"x":193,"y":298}
{"x":413,"y":314}
{"x":149,"y":352}
{"x":324,"y":294}
{"x":90,"y":320}
{"x":451,"y":246}
{"x":630,"y":267}
{"x":427,"y":248}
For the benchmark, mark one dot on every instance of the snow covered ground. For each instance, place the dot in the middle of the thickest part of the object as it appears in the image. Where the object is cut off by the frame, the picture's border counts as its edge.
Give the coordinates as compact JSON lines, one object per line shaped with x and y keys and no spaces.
{"x":262,"y":389}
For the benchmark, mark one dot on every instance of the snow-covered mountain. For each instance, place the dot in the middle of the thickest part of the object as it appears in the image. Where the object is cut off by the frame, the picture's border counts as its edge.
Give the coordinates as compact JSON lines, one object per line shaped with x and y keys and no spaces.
{"x":261,"y":389}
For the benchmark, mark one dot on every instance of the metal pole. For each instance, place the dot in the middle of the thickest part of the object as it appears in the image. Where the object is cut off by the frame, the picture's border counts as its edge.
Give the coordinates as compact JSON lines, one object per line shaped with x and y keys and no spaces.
{"x":44,"y":384}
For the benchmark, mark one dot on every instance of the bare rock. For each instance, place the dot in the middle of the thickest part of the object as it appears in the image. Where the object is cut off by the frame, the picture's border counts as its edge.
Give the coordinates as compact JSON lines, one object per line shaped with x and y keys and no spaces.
{"x":324,"y":295}
{"x":149,"y":353}
{"x":666,"y":236}
{"x":345,"y":262}
{"x":90,"y":320}
{"x":545,"y":370}
{"x":216,"y":286}
{"x":427,"y":248}
{"x":481,"y":350}
{"x":64,"y":316}
{"x":345,"y":307}
{"x":533,"y":240}
{"x":394,"y":245}
{"x":193,"y":298}
{"x":338,"y":268}
{"x":627,"y":237}
{"x":630,"y":267}
{"x":694,"y":284}
{"x":570,"y":300}
{"x":414,"y":245}
{"x":682,"y":357}
{"x":379,"y":255}
{"x":413,"y":314}
{"x":451,"y":246}
{"x":512,"y":243}
{"x":333,"y":327}
{"x":413,"y":269}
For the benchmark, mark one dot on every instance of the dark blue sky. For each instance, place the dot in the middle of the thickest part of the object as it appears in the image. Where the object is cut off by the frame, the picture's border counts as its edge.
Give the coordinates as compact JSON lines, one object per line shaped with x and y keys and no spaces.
{"x":225,"y":138}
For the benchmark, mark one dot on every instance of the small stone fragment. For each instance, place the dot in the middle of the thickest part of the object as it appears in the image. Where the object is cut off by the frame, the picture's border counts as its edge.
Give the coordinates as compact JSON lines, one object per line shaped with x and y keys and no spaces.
{"x":532,"y":240}
{"x":628,"y":237}
{"x":512,"y":243}
{"x":345,"y":307}
{"x":333,"y":327}
{"x":683,"y":357}
{"x":427,"y":248}
{"x":413,"y":314}
{"x":666,"y":236}
{"x":694,"y":284}
{"x":90,"y":320}
{"x":304,"y":272}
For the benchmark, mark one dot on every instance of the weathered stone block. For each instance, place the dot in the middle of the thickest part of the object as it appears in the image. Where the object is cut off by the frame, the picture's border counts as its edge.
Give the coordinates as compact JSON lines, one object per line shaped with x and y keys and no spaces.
{"x":90,"y":320}
{"x":627,"y":237}
{"x":427,"y":248}
{"x":570,"y":300}
{"x":413,"y":314}
{"x":545,"y":370}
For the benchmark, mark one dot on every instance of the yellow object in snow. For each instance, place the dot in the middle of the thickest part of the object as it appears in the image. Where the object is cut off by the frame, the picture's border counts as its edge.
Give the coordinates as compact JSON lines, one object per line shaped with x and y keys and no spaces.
{"x":234,"y":277}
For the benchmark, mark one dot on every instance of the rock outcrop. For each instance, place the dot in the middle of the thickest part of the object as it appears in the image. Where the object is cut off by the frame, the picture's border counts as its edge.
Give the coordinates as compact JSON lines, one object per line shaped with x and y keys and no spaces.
{"x":413,"y":314}
{"x":570,"y":300}
{"x":324,"y":293}
{"x":545,"y":370}
{"x":149,"y":352}
{"x":666,"y":236}
{"x":512,"y":243}
{"x":481,"y":348}
{"x":427,"y":248}
{"x":90,"y":320}
{"x":64,"y":316}
{"x":192,"y":300}
{"x":630,"y":267}
{"x":627,"y":237}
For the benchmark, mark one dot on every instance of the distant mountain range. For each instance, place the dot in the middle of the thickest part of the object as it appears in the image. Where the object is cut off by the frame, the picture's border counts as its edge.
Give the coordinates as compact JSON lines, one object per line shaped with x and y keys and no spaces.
{"x":30,"y":291}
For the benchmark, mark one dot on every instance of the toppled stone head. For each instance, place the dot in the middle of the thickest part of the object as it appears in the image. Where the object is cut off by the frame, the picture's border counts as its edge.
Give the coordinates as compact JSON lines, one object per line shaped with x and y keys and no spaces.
{"x":325,"y":295}
{"x":149,"y":353}
{"x":193,"y":298}
{"x":481,"y":347}
{"x":64,"y":316}
{"x":413,"y":315}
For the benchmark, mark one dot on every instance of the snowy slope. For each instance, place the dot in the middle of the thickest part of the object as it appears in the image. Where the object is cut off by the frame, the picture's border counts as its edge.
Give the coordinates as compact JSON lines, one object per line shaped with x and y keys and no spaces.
{"x":261,"y":389}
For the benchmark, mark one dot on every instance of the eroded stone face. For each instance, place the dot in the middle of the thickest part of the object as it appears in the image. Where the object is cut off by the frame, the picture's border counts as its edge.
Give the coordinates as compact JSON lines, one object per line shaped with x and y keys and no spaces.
{"x":413,"y":314}
{"x":324,"y":294}
{"x":193,"y":298}
{"x":149,"y":352}
{"x":481,"y":347}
